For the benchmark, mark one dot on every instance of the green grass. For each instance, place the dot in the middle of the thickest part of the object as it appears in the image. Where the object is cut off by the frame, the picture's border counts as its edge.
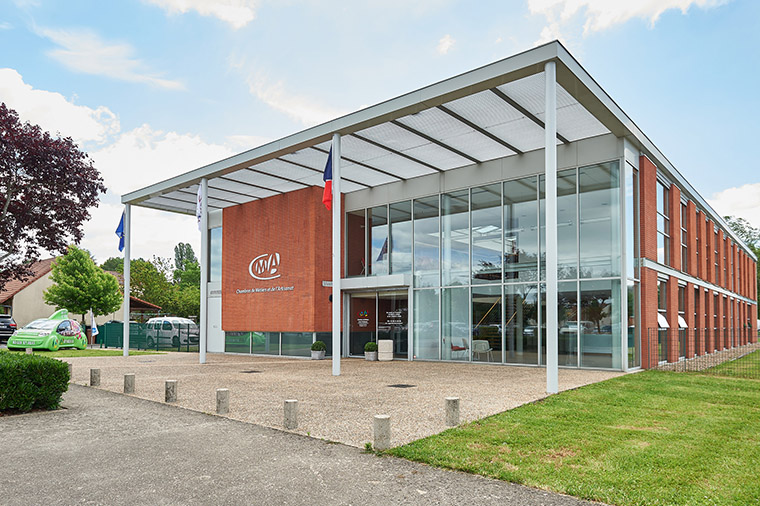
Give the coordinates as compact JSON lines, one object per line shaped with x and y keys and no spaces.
{"x":651,"y":438}
{"x":745,"y":367}
{"x":87,"y":353}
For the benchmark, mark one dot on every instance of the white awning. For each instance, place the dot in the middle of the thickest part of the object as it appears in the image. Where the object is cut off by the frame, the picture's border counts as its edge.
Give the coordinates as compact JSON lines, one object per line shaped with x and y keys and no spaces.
{"x":662,"y":322}
{"x":682,"y":323}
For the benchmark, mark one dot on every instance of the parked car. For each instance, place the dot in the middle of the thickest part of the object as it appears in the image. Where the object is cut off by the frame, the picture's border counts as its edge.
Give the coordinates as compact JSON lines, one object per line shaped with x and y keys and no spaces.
{"x":7,"y":327}
{"x":169,"y":329}
{"x":52,"y":333}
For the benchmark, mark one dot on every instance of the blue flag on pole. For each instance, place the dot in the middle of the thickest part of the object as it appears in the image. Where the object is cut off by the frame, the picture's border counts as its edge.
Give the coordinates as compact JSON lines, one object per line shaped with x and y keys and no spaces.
{"x":120,"y":232}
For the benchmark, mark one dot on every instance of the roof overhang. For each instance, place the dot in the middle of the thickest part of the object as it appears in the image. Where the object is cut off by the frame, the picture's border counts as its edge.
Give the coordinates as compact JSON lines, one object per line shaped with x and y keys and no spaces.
{"x":491,"y":112}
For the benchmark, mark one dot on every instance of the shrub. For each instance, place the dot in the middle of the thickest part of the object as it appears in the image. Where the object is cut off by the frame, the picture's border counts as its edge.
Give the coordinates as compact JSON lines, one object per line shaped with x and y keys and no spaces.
{"x":370,"y":346}
{"x":318,"y":346}
{"x":31,"y":382}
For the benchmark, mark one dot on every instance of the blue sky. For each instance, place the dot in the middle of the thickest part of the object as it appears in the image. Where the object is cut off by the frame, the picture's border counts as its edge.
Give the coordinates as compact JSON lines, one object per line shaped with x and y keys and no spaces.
{"x":154,"y":88}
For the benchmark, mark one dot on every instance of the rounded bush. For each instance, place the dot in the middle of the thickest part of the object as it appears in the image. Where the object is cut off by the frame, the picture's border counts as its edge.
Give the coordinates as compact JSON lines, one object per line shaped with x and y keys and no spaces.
{"x":318,"y":346}
{"x":30,"y":382}
{"x":370,"y":346}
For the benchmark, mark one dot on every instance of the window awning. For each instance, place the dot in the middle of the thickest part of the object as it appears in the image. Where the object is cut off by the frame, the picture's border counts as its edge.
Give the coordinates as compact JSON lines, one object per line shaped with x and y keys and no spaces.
{"x":662,"y":322}
{"x":488,"y":113}
{"x":682,"y":323}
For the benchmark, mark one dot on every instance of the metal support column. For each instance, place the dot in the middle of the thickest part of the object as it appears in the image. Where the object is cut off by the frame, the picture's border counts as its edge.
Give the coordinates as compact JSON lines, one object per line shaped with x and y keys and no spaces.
{"x":550,"y":152}
{"x":204,"y":271}
{"x":127,"y":259}
{"x":336,"y":252}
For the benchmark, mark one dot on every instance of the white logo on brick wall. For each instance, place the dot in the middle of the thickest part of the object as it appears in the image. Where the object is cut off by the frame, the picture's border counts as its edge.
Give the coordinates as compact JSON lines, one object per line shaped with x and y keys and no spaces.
{"x":265,"y":267}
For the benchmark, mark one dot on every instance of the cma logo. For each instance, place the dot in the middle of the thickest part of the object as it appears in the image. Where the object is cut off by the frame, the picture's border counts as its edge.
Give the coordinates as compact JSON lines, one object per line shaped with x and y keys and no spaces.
{"x":264,"y":267}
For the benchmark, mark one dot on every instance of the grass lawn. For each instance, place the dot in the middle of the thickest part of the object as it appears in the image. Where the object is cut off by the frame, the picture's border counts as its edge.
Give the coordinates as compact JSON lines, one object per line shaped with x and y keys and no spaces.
{"x":649,"y":438}
{"x":745,"y":367}
{"x":87,"y":353}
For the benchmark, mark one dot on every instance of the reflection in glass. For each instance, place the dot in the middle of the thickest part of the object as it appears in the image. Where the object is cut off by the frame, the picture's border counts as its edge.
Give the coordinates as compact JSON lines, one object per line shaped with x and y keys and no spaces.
{"x":631,"y":220}
{"x":634,"y":337}
{"x":455,"y":234}
{"x":599,"y":208}
{"x":401,"y":237}
{"x":215,"y":254}
{"x":326,"y":337}
{"x":392,"y":321}
{"x":486,"y":323}
{"x":521,"y":229}
{"x":378,"y":241}
{"x":426,"y":324}
{"x":265,"y":343}
{"x":600,"y":324}
{"x":567,"y":229}
{"x":455,"y":329}
{"x":237,"y":342}
{"x":297,"y":344}
{"x":362,"y":321}
{"x":356,"y":246}
{"x":486,"y":234}
{"x":567,"y":323}
{"x":426,"y":244}
{"x":521,"y":323}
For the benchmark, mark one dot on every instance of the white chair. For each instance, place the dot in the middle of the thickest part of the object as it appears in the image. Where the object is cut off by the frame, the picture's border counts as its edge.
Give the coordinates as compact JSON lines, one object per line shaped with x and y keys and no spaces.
{"x":480,"y":346}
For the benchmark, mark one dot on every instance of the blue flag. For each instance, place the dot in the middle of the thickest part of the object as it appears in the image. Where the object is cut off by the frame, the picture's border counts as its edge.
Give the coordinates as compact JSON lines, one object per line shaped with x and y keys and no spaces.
{"x":120,"y":232}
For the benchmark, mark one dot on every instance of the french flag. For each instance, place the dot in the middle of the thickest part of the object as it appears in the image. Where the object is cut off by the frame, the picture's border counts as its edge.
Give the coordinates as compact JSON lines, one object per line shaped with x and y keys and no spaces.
{"x":327,"y":177}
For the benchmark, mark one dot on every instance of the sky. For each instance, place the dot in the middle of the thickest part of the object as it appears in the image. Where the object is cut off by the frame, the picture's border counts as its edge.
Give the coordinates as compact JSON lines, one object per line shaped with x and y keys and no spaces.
{"x":154,"y":88}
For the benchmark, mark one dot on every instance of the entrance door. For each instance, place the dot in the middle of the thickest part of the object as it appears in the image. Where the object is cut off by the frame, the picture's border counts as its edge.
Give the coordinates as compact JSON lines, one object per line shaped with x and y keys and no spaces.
{"x":379,"y":315}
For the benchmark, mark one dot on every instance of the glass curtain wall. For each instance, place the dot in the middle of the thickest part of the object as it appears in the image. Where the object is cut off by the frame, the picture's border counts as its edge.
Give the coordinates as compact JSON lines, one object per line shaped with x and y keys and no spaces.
{"x":378,"y":241}
{"x":521,"y":323}
{"x":486,"y":234}
{"x":486,"y":323}
{"x":631,"y":269}
{"x":455,"y":238}
{"x":455,"y":328}
{"x":401,"y":237}
{"x":427,"y":232}
{"x":521,"y":230}
{"x":426,"y":324}
{"x":215,"y":254}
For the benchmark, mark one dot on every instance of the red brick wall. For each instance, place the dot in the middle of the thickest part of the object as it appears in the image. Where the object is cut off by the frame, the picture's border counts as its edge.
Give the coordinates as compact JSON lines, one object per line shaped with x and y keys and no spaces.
{"x":298,"y":227}
{"x":648,"y":209}
{"x":648,"y":317}
{"x":675,"y":227}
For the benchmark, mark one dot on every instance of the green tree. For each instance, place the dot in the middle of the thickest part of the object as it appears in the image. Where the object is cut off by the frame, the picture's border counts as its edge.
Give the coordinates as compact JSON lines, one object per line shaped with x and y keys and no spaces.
{"x":80,"y":285}
{"x":114,"y":264}
{"x":149,"y":282}
{"x":751,"y":237}
{"x":183,"y":255}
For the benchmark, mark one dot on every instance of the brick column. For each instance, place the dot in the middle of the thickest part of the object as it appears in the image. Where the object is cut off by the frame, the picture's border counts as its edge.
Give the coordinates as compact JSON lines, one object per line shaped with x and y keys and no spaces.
{"x":672,"y":305}
{"x":674,"y":205}
{"x":690,"y":344}
{"x":648,"y":209}
{"x":648,"y":318}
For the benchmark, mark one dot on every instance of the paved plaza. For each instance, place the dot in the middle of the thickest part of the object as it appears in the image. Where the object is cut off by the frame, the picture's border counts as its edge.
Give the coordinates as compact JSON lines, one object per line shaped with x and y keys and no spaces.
{"x":333,"y":408}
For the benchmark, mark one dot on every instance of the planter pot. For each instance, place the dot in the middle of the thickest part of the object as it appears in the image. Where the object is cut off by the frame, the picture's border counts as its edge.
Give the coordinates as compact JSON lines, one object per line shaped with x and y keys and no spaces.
{"x":317,"y":355}
{"x":384,"y":350}
{"x":370,"y":356}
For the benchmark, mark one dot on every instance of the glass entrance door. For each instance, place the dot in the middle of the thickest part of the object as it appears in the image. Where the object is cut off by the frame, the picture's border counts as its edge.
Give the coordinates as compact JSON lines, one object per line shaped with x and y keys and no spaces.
{"x":379,"y":315}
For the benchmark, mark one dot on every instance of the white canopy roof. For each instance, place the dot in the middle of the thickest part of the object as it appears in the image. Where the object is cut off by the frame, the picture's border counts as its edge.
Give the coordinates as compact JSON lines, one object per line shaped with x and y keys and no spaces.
{"x":491,"y":112}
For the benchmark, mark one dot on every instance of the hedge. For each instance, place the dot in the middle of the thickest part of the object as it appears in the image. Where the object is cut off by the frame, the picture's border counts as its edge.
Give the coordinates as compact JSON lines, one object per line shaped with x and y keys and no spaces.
{"x":31,"y":382}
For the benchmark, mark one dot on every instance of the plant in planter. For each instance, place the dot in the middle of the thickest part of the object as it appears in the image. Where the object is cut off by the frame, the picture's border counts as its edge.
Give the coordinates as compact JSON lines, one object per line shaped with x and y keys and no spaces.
{"x":370,"y":351}
{"x":318,"y":350}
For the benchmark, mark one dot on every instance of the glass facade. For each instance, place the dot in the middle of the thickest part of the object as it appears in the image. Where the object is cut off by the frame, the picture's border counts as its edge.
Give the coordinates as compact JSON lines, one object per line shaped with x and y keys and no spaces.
{"x":215,"y":254}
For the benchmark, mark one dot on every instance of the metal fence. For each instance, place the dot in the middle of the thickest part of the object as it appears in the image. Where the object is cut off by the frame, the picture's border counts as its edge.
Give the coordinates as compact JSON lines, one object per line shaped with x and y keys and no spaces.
{"x":182,"y":337}
{"x":723,"y":352}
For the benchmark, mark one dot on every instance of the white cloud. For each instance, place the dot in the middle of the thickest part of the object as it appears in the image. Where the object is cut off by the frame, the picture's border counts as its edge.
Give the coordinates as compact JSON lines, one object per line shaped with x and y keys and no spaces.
{"x":54,"y":113}
{"x":5,"y":26}
{"x":84,"y":51}
{"x":237,"y":13}
{"x":145,"y":156}
{"x":742,"y":202}
{"x":303,"y":109}
{"x":600,"y":15}
{"x":445,"y":44}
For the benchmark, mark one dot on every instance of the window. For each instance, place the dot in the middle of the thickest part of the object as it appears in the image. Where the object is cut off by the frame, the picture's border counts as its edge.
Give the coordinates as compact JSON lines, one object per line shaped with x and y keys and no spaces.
{"x":716,"y":272}
{"x":215,"y":254}
{"x":486,"y":233}
{"x":378,"y":241}
{"x":684,"y":238}
{"x":663,"y":224}
{"x":599,"y":207}
{"x":698,"y":267}
{"x":682,"y":325}
{"x":662,"y":319}
{"x":401,"y":237}
{"x":356,"y":243}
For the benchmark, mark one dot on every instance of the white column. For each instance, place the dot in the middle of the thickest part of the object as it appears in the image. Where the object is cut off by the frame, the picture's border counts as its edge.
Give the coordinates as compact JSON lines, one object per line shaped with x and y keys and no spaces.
{"x":204,"y":271}
{"x":127,"y":259}
{"x":550,"y":152}
{"x":336,"y":242}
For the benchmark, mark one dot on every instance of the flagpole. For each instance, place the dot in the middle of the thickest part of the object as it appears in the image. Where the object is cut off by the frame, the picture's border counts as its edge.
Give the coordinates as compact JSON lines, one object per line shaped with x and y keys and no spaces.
{"x":336,"y":250}
{"x":203,"y":320}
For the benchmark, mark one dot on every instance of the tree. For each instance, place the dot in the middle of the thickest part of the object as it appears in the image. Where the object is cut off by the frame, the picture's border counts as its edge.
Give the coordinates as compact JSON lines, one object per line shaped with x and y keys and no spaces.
{"x":751,"y":237}
{"x":114,"y":264}
{"x":149,"y":283}
{"x":47,"y":185}
{"x":183,"y":255}
{"x":80,"y":285}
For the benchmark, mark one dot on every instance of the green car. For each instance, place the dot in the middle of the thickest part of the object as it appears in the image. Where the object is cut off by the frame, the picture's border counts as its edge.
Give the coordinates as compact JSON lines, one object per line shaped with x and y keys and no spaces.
{"x":52,"y":333}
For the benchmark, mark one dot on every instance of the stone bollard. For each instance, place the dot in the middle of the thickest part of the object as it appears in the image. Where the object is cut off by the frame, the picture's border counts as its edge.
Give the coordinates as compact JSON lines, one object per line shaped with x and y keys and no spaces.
{"x":29,"y":351}
{"x":170,"y":391}
{"x":452,"y":411}
{"x":129,"y":383}
{"x":291,"y":415}
{"x":222,"y":401}
{"x":382,"y":432}
{"x":94,"y":377}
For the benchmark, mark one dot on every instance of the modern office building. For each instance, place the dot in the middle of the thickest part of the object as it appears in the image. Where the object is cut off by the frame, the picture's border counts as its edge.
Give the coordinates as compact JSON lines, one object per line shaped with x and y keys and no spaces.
{"x":513,"y":214}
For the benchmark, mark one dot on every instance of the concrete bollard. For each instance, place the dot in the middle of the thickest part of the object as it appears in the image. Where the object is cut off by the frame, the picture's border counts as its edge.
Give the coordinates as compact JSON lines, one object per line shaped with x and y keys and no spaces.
{"x":29,"y":351}
{"x":222,"y":401}
{"x":170,"y":391}
{"x":129,"y":383}
{"x":452,"y":411}
{"x":291,"y":414}
{"x":94,"y":377}
{"x":382,"y":432}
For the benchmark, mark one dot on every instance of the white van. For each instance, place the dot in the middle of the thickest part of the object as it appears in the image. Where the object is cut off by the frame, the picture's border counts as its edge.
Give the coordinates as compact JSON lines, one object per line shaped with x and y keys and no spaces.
{"x":171,"y":330}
